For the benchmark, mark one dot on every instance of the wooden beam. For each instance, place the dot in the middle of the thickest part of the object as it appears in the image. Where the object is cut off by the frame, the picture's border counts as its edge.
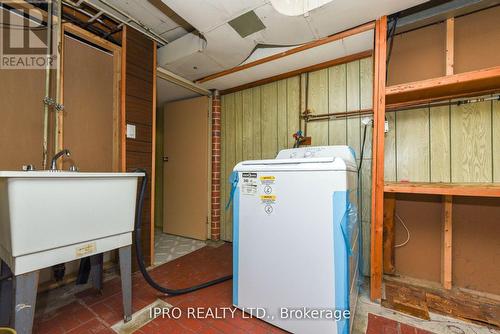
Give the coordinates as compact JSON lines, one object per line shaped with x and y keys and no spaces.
{"x":446,"y":260}
{"x":450,"y":46}
{"x":313,"y":44}
{"x":389,"y":233}
{"x":153,"y":158}
{"x":123,"y":96}
{"x":452,"y":189}
{"x":450,"y":86}
{"x":378,"y":158}
{"x":90,"y":37}
{"x":333,"y":62}
{"x":417,"y":296}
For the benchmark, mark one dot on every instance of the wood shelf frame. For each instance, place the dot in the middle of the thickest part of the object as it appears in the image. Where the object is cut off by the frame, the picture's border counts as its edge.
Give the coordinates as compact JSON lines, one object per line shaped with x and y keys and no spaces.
{"x":446,"y":189}
{"x":473,"y":83}
{"x":484,"y":81}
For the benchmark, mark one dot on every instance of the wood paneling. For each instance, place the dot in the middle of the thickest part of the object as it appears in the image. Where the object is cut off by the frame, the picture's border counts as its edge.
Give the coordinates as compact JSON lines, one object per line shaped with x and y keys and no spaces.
{"x":269,"y":120}
{"x":471,"y":151}
{"x":293,"y":108}
{"x":390,"y":149}
{"x":337,"y":102}
{"x":353,"y":103}
{"x":281,"y":102}
{"x":256,"y":123}
{"x":440,"y":144}
{"x":139,"y":110}
{"x":318,"y":104}
{"x":412,"y":138}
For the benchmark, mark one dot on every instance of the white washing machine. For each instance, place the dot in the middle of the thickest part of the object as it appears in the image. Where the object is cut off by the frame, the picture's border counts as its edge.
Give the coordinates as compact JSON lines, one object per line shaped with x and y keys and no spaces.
{"x":295,"y":237}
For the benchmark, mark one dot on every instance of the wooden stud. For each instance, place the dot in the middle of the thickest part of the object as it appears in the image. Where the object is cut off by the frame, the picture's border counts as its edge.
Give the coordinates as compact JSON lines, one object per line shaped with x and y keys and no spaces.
{"x":389,"y":233}
{"x":123,"y":93}
{"x":446,"y":261}
{"x":153,"y":158}
{"x":378,"y":158}
{"x":322,"y":41}
{"x":450,"y":45}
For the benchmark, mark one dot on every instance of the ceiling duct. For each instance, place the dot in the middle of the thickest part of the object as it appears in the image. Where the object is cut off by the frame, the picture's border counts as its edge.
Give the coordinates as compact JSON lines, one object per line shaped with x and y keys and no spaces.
{"x":181,"y":48}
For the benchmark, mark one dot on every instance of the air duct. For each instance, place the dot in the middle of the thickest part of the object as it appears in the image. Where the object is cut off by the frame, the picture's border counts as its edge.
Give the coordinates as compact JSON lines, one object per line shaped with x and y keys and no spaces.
{"x":180,"y":48}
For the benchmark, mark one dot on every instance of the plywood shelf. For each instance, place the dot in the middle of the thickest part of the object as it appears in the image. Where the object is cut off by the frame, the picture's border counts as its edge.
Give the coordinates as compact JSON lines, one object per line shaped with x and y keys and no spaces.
{"x":482,"y":81}
{"x":452,"y":189}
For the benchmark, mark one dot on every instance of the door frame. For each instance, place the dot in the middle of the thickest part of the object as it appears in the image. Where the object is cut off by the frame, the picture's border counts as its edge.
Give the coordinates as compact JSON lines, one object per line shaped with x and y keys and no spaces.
{"x":171,"y":77}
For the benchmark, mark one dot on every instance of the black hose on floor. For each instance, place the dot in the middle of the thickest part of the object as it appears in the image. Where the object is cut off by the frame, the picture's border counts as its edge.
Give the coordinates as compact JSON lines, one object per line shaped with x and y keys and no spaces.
{"x":140,"y":257}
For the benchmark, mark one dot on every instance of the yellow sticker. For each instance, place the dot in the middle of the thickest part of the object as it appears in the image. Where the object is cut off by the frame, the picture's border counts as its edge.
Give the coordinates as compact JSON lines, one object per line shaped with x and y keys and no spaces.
{"x":267,"y":178}
{"x":268,"y":197}
{"x":86,"y":249}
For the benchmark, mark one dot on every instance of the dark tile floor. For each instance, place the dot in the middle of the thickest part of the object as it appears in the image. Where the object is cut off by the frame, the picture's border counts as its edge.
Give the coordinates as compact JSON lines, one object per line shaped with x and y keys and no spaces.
{"x":95,"y":314}
{"x":92,"y":313}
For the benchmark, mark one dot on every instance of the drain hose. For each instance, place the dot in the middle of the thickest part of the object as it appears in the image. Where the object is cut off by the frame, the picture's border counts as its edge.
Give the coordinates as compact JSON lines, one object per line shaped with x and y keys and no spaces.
{"x":140,"y":257}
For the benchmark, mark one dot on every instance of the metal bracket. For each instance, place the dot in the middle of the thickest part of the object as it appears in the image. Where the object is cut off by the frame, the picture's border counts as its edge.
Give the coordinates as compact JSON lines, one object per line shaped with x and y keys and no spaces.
{"x":59,"y":107}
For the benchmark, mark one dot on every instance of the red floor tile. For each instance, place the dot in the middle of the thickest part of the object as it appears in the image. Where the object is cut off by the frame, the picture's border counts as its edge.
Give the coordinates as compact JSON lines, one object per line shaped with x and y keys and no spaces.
{"x":381,"y":325}
{"x":93,"y":313}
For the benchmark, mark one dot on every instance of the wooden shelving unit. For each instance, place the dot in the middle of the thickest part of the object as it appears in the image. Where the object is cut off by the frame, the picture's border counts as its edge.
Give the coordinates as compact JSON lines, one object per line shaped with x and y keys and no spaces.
{"x":478,"y":82}
{"x":384,"y":194}
{"x":450,"y":189}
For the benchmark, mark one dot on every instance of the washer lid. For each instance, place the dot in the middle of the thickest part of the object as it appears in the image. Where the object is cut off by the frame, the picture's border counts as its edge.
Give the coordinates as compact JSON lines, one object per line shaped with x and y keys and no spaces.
{"x":301,"y":164}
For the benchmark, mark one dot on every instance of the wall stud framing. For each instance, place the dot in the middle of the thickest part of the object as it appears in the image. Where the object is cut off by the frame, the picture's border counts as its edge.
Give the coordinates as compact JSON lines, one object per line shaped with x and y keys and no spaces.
{"x":378,"y":158}
{"x":446,"y":267}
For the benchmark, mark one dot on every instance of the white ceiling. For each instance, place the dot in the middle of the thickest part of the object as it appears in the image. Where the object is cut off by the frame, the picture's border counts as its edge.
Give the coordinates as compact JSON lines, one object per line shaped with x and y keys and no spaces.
{"x":225,"y":48}
{"x":333,"y":50}
{"x":168,"y":92}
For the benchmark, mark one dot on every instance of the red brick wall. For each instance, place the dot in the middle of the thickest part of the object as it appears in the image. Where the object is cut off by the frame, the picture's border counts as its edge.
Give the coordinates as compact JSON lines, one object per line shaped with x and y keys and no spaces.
{"x":216,"y":156}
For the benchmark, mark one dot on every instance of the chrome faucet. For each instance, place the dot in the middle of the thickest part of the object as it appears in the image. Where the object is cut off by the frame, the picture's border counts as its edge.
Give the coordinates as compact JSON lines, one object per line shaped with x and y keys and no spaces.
{"x":53,"y":164}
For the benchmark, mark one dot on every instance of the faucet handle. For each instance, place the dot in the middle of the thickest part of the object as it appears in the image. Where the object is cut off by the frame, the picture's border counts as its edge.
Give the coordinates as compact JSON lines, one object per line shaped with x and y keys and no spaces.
{"x":73,"y":168}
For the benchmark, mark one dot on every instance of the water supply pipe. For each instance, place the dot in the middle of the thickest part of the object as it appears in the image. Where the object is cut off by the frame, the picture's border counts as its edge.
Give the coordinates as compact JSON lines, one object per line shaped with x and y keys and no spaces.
{"x":46,"y":100}
{"x":58,"y":108}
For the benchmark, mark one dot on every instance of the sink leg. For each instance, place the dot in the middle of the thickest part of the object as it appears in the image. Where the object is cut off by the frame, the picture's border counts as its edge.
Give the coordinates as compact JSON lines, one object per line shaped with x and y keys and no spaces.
{"x":5,"y":295}
{"x":23,"y":308}
{"x":96,"y":271}
{"x":126,"y":276}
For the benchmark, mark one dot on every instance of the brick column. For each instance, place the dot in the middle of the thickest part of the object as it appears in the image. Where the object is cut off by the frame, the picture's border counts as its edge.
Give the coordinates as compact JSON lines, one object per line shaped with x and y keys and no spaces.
{"x":216,"y":158}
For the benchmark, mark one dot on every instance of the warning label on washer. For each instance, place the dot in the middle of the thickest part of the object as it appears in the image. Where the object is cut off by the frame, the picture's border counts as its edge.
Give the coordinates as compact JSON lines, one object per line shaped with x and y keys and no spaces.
{"x":267,"y":180}
{"x":268,"y":199}
{"x":249,"y":184}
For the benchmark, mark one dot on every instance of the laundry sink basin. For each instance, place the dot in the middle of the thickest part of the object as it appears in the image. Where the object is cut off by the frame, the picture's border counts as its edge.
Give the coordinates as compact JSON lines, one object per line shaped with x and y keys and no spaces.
{"x":48,"y":217}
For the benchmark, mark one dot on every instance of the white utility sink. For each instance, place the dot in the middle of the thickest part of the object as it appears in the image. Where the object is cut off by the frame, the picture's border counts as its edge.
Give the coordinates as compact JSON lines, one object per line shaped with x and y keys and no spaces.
{"x":49,"y":217}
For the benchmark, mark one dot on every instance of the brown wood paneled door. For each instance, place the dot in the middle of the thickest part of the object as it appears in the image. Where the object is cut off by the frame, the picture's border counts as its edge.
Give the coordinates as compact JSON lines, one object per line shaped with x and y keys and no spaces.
{"x":185,"y":168}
